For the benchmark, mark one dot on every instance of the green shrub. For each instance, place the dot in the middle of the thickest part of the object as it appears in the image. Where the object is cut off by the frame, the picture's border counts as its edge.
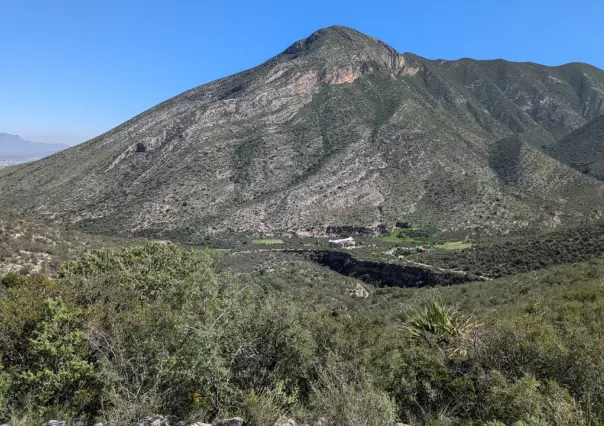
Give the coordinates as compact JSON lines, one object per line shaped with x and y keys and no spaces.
{"x":43,"y":349}
{"x":158,"y":330}
{"x":5,"y":385}
{"x":12,"y":280}
{"x":349,"y":398}
{"x":265,"y":407}
{"x":429,"y":384}
{"x":529,"y":401}
{"x":56,"y":367}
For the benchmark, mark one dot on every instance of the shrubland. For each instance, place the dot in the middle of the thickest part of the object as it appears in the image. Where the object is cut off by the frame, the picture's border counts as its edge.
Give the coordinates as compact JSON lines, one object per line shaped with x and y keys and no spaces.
{"x":521,"y":253}
{"x":31,"y":245}
{"x":120,"y":334}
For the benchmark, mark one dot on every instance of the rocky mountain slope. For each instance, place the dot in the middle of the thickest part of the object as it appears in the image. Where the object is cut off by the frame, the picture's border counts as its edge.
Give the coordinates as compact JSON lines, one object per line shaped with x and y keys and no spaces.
{"x":339,"y":129}
{"x":583,"y":149}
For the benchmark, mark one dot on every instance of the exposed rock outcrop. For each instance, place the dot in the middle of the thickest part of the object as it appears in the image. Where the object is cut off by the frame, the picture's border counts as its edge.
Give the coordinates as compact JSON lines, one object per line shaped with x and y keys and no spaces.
{"x":159,"y":420}
{"x":358,"y":291}
{"x":235,"y":421}
{"x":285,"y":421}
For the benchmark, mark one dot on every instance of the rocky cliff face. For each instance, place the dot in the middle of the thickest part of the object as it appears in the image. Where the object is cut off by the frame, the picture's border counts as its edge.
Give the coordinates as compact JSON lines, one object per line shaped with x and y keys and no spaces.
{"x":339,"y":129}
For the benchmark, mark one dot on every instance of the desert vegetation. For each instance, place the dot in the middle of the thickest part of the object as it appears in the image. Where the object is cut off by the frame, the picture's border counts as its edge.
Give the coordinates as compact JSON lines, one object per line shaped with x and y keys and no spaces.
{"x":31,"y":245}
{"x":506,"y":256}
{"x":121,"y":333}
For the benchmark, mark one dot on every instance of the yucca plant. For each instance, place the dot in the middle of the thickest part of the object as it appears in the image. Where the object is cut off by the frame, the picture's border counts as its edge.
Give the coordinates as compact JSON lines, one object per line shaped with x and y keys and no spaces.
{"x":433,"y":321}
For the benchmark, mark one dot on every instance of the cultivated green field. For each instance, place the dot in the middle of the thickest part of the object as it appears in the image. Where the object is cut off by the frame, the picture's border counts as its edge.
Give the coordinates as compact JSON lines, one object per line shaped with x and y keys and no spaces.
{"x":459,"y":245}
{"x":268,"y":241}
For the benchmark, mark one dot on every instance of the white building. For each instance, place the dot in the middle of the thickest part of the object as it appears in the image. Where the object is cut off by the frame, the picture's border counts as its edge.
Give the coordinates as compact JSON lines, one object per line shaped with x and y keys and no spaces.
{"x":343,"y":243}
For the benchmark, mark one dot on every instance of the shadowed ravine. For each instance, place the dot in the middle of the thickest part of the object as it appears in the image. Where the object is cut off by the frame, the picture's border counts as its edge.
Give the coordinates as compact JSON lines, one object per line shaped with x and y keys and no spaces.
{"x":386,"y":274}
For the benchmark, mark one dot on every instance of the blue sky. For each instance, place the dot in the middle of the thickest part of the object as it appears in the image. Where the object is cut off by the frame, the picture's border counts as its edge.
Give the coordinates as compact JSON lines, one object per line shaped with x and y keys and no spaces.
{"x":70,"y":70}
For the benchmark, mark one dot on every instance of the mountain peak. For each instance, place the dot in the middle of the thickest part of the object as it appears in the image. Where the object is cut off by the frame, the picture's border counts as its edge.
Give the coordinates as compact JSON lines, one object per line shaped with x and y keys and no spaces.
{"x":342,"y":34}
{"x":339,"y":37}
{"x":342,"y":50}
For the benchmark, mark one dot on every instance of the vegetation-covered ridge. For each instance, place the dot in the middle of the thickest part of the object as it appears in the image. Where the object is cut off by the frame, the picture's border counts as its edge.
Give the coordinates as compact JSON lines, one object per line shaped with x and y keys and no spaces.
{"x":583,"y":149}
{"x":337,"y":130}
{"x":120,"y":334}
{"x":31,"y":245}
{"x":500,"y":257}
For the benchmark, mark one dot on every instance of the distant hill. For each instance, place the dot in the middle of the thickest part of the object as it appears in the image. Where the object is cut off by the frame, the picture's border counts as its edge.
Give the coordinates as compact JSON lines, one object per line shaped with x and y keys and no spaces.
{"x":339,"y":129}
{"x":14,"y":149}
{"x":583,"y":149}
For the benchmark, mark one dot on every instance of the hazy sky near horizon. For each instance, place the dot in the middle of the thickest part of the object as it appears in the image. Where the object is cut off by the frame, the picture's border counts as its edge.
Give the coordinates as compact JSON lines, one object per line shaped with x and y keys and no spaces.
{"x":72,"y":69}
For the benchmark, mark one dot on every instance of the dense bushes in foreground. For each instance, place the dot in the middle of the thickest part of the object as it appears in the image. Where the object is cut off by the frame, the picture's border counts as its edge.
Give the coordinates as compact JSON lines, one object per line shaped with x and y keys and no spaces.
{"x":120,"y":335}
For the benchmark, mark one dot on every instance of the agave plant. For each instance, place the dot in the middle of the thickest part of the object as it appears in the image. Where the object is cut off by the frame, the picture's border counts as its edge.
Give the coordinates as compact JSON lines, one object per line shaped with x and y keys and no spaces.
{"x":434,"y":321}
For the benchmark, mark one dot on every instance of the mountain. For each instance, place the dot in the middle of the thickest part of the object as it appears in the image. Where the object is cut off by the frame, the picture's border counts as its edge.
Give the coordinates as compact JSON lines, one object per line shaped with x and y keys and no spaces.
{"x":339,"y":129}
{"x":15,"y":149}
{"x":583,"y":149}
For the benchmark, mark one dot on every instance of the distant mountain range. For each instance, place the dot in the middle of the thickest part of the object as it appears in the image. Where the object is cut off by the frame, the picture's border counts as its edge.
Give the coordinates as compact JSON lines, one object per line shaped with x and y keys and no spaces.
{"x":339,"y":129}
{"x":14,"y":149}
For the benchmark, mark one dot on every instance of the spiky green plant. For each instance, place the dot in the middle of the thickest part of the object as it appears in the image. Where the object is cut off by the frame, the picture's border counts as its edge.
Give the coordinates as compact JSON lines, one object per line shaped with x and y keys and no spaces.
{"x":436,"y":322}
